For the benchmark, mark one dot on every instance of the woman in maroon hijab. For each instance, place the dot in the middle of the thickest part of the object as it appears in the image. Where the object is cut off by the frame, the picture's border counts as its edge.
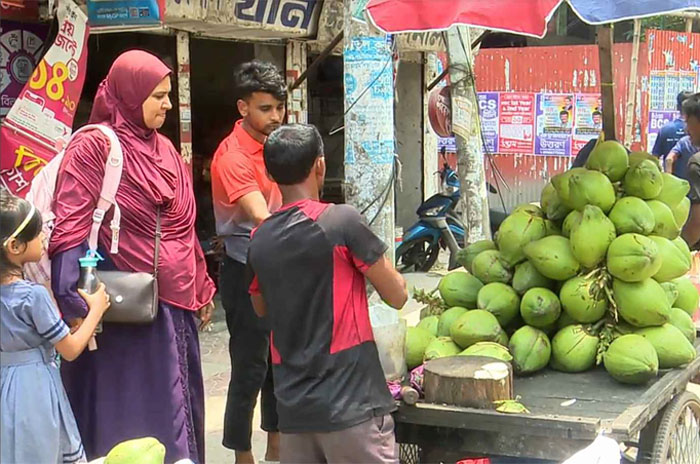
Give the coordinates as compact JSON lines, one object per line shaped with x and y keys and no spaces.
{"x":142,"y":380}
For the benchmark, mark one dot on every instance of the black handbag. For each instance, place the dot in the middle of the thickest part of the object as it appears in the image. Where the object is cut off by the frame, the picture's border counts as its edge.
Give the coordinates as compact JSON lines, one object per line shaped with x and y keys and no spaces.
{"x":133,"y":295}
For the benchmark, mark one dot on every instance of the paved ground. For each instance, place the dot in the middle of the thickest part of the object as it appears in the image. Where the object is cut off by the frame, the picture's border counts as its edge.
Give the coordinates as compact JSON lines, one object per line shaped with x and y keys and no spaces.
{"x":217,"y":369}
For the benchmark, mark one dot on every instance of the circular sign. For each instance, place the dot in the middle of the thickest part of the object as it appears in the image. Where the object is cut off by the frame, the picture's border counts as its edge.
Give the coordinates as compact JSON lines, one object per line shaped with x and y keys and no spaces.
{"x":440,"y":111}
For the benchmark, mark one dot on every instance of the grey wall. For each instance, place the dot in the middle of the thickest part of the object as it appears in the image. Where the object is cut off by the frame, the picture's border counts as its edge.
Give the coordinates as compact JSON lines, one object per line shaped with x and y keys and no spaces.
{"x":409,"y":140}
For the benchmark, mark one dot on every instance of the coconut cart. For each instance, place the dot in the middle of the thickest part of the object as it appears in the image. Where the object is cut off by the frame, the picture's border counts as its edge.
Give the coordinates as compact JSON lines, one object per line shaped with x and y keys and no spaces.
{"x":567,"y":412}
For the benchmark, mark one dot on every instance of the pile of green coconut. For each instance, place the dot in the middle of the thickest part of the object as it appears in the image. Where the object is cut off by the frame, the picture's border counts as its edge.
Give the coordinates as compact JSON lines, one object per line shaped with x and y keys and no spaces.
{"x":596,"y":274}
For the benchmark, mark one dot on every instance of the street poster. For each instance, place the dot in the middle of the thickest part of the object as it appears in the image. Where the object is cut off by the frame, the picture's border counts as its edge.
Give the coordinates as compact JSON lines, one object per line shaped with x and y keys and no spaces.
{"x":488,"y":112}
{"x":123,"y":12}
{"x":516,"y":123}
{"x":462,"y":114}
{"x":588,"y":119}
{"x":21,"y":46}
{"x":369,"y":76}
{"x":555,"y":122}
{"x":657,"y":120}
{"x":42,"y":116}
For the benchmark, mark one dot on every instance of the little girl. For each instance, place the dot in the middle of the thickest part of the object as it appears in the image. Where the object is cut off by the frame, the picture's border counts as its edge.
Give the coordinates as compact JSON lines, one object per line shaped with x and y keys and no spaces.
{"x":37,"y":422}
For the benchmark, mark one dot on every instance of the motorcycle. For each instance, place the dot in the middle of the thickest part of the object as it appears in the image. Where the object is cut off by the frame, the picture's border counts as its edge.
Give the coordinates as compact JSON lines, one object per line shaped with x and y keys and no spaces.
{"x":438,"y":226}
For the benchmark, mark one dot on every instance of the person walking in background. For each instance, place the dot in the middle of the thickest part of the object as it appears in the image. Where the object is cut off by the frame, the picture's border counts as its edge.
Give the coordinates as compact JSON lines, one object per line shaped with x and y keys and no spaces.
{"x":37,"y":423}
{"x":143,"y":380}
{"x":672,"y":132}
{"x":243,"y":197}
{"x":691,"y":230}
{"x":307,"y":266}
{"x":676,"y":161}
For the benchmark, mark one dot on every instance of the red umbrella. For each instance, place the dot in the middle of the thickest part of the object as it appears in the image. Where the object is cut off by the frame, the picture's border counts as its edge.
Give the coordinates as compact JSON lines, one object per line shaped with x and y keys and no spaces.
{"x":525,"y":17}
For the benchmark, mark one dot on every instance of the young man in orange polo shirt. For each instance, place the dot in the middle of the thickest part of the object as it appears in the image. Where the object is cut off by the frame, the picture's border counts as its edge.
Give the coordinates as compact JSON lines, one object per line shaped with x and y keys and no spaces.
{"x":243,"y":197}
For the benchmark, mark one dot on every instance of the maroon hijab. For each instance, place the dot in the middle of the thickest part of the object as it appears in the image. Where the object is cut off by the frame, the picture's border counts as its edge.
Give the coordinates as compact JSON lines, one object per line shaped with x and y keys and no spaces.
{"x":153,"y":177}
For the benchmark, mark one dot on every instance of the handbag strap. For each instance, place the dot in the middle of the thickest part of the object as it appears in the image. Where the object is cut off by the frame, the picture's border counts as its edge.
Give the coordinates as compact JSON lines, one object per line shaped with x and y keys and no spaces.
{"x":156,"y":252}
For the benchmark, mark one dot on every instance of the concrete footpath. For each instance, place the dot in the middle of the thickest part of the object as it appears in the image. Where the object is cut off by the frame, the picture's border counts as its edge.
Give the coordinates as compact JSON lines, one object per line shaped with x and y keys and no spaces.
{"x":217,"y":370}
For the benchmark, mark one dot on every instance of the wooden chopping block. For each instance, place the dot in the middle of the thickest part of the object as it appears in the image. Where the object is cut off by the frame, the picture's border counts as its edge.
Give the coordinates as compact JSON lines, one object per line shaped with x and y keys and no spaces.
{"x":468,"y":381}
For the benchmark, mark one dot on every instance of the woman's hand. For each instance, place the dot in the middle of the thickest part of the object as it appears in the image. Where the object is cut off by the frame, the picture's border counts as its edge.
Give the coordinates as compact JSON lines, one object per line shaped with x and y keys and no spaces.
{"x":204,"y":314}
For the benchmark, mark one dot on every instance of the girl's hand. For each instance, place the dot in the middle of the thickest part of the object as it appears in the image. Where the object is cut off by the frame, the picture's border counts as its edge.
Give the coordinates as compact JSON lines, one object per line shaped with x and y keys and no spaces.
{"x":98,"y":301}
{"x":204,"y":314}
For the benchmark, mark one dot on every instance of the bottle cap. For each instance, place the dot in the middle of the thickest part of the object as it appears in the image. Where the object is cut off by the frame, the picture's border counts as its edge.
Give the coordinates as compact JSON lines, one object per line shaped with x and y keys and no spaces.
{"x":90,"y":259}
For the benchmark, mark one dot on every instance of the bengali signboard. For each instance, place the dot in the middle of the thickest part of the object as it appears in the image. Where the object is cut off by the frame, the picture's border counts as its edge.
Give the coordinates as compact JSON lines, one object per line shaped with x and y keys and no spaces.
{"x":43,"y":113}
{"x":239,"y":18}
{"x":123,"y":12}
{"x":516,"y":122}
{"x":657,"y":120}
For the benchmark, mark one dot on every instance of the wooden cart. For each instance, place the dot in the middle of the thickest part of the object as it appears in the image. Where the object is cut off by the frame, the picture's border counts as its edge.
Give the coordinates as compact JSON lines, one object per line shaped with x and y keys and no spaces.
{"x":661,"y":419}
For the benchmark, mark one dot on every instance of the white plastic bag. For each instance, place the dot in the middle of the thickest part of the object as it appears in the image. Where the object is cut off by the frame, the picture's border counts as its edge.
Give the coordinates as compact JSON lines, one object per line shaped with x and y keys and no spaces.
{"x":603,"y":450}
{"x":390,"y":336}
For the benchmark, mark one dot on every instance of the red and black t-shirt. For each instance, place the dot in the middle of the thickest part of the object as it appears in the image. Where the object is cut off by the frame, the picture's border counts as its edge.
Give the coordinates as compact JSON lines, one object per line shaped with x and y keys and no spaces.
{"x":307,"y":260}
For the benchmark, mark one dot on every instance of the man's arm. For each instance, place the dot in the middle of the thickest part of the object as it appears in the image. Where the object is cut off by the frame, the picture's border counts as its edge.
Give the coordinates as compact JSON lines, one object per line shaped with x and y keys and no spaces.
{"x":255,"y":206}
{"x":691,"y":231}
{"x":390,"y":285}
{"x":670,"y":160}
{"x":657,"y":144}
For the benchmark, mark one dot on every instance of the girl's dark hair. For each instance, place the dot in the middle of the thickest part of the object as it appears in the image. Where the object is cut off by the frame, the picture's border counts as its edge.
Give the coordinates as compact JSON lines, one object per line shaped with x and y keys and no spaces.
{"x":13,"y":210}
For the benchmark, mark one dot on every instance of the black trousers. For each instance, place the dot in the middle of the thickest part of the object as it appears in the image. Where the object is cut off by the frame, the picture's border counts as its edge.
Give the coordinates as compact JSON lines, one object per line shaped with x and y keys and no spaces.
{"x":251,"y":369}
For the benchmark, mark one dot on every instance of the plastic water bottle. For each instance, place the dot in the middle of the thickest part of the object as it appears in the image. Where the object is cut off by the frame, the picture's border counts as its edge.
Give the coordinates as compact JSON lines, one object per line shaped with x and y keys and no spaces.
{"x":88,"y":282}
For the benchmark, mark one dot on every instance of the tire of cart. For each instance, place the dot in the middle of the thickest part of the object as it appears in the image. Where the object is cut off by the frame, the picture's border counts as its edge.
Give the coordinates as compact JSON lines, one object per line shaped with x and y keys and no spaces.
{"x":677,"y":438}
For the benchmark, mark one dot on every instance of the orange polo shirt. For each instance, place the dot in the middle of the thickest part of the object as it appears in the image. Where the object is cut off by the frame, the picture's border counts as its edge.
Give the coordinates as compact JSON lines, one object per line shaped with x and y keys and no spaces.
{"x":237,"y":169}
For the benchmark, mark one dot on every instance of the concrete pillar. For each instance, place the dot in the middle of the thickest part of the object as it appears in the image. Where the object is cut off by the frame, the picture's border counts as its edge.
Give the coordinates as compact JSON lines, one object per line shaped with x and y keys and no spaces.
{"x":183,"y":95}
{"x":297,"y":100}
{"x":369,"y":124}
{"x":465,"y":125}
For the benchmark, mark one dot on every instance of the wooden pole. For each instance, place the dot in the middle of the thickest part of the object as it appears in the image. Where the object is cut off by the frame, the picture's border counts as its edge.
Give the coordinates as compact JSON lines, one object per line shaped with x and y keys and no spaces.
{"x":689,"y":25}
{"x":605,"y":56}
{"x":465,"y":125}
{"x":632,"y":92}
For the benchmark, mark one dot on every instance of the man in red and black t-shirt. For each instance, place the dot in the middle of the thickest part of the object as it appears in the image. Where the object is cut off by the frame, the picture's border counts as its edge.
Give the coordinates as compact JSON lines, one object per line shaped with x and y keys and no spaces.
{"x":307,"y":265}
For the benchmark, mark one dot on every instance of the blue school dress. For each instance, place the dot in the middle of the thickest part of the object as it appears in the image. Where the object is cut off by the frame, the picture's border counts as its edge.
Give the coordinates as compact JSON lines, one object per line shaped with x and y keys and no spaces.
{"x":37,"y":422}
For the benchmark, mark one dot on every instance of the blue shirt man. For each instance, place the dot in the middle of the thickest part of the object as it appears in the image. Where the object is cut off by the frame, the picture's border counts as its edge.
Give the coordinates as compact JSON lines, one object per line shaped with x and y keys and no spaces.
{"x":669,"y":135}
{"x":678,"y":157}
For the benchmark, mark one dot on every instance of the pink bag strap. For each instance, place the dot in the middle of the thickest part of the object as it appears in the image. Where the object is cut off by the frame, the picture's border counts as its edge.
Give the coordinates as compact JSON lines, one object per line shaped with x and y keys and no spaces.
{"x":110,"y":184}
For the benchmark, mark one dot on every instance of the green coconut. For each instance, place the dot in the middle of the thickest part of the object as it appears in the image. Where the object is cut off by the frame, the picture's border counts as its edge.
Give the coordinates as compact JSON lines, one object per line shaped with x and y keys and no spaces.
{"x":591,"y":188}
{"x":441,"y":347}
{"x":637,"y":157}
{"x":516,"y":231}
{"x":551,"y":228}
{"x":631,"y":359}
{"x":561,"y":184}
{"x":665,"y":223}
{"x":632,"y":215}
{"x":672,"y":347}
{"x":526,"y":276}
{"x":430,"y":324}
{"x":489,"y":266}
{"x":592,"y":237}
{"x":447,"y":318}
{"x":459,"y":289}
{"x":674,"y":260}
{"x":688,"y":297}
{"x":465,"y":256}
{"x":531,"y":350}
{"x":540,"y":308}
{"x":574,"y":349}
{"x":671,"y":291}
{"x":681,"y":212}
{"x":642,"y":304}
{"x":571,"y":221}
{"x":475,"y":326}
{"x":644,"y":180}
{"x":610,"y":158}
{"x":488,"y":350}
{"x":673,"y":190}
{"x":553,"y":258}
{"x":551,"y":204}
{"x":529,"y":208}
{"x":500,"y":300}
{"x":633,"y":257}
{"x":683,"y":322}
{"x":147,"y":450}
{"x":582,"y":300}
{"x":417,"y":341}
{"x":565,"y":320}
